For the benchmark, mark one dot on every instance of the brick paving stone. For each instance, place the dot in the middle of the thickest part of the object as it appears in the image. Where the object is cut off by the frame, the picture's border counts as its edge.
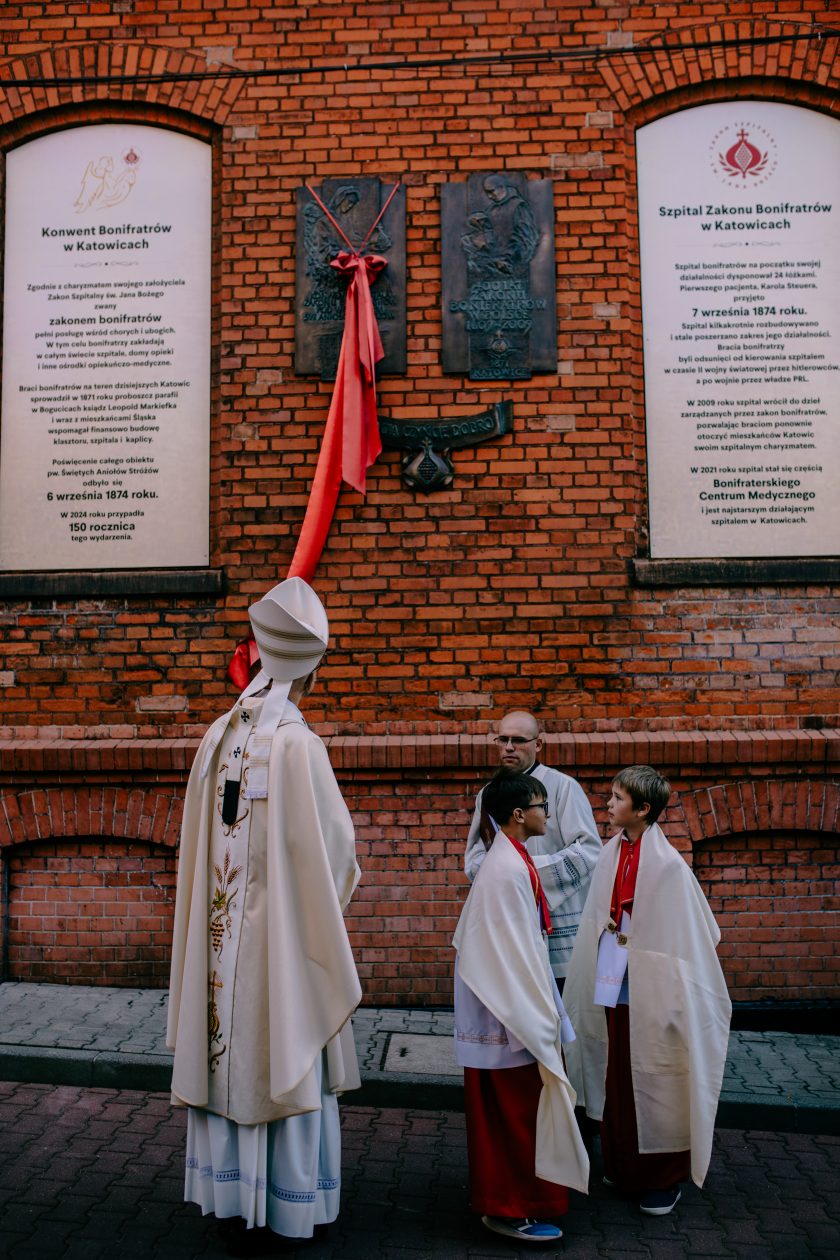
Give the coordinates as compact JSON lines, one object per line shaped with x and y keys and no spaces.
{"x":742,"y":1231}
{"x":666,"y":1248}
{"x":780,"y":1221}
{"x":405,"y":1191}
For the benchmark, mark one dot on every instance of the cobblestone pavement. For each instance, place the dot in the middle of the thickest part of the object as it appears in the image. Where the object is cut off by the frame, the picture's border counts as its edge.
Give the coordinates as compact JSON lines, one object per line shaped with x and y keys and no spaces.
{"x":87,"y":1174}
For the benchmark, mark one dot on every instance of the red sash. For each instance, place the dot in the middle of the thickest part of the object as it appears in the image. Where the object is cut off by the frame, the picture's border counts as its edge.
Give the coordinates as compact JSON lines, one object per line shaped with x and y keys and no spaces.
{"x":624,"y":888}
{"x":539,"y":895}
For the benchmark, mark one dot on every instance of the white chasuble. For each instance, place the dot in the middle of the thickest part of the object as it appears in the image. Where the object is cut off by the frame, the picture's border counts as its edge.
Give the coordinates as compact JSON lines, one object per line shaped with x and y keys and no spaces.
{"x":263,"y":981}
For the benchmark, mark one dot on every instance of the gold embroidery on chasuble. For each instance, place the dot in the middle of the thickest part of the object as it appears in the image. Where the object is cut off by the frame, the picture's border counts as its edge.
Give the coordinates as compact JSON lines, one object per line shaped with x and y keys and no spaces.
{"x":223,"y":904}
{"x":229,"y":861}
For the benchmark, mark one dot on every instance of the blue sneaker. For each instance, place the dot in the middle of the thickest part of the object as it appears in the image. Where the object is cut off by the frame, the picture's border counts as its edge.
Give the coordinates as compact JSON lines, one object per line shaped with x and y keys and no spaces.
{"x":660,"y":1202}
{"x":523,"y":1229}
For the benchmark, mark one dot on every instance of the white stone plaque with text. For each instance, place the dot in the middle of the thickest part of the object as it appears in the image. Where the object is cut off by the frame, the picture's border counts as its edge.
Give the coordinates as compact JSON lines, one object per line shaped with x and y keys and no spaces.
{"x":739,"y":222}
{"x":104,"y":448}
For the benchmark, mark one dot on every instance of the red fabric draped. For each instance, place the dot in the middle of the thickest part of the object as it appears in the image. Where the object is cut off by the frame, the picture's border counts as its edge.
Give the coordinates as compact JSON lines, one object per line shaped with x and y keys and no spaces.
{"x":536,"y":884}
{"x":351,"y":437}
{"x":242,"y":663}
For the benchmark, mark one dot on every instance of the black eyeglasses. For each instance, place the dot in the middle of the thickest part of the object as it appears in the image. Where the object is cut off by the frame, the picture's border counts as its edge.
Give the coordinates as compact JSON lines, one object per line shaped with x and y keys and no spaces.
{"x":516,"y":740}
{"x":543,"y":805}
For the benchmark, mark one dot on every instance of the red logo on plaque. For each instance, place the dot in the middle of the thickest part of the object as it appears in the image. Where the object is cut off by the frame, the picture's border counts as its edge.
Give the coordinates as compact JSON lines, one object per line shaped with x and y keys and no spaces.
{"x":743,"y":153}
{"x":743,"y":158}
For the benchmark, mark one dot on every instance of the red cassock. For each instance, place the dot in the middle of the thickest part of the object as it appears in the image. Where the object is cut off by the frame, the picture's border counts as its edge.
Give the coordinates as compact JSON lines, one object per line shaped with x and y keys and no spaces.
{"x":501,"y":1113}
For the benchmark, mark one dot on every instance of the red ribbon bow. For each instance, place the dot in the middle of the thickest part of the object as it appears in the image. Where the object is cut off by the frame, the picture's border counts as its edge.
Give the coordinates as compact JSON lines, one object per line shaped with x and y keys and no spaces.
{"x":241,"y":664}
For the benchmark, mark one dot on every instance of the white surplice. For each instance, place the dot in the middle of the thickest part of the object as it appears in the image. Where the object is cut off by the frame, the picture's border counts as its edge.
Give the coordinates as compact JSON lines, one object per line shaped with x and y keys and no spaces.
{"x":565,"y":857}
{"x":679,"y":1006}
{"x":503,"y":961}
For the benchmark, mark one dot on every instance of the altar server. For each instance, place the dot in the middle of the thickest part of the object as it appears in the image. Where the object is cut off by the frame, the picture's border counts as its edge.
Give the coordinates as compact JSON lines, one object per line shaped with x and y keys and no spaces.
{"x":524,"y":1145}
{"x":648,"y":1000}
{"x":565,"y":854}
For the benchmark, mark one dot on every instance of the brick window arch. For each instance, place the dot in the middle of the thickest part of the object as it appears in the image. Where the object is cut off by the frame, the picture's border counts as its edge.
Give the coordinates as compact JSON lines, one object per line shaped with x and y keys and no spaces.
{"x":91,"y":877}
{"x":197,"y":102}
{"x":90,"y":911}
{"x":728,"y":66}
{"x":766,"y":855}
{"x":774,"y":895}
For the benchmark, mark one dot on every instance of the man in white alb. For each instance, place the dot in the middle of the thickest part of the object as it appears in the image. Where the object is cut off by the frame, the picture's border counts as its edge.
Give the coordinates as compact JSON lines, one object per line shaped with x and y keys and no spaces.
{"x":263,"y":981}
{"x":566,"y":855}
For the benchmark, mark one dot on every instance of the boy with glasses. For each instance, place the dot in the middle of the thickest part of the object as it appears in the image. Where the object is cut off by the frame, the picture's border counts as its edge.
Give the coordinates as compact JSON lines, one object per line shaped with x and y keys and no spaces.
{"x":523,"y":1142}
{"x":565,"y":854}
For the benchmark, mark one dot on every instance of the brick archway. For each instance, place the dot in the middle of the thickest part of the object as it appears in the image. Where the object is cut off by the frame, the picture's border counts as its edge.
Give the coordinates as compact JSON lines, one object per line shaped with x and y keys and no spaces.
{"x":146,"y":814}
{"x":90,"y":874}
{"x":649,"y":83}
{"x":753,"y":805}
{"x":765,"y":854}
{"x":207,"y":99}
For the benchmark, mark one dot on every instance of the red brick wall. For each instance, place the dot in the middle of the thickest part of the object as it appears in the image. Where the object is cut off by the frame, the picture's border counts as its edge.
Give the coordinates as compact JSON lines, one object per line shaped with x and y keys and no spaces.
{"x":765,"y":851}
{"x":775,"y":897}
{"x":513,"y":586}
{"x":514,"y":583}
{"x":84,"y":912}
{"x":757,"y":817}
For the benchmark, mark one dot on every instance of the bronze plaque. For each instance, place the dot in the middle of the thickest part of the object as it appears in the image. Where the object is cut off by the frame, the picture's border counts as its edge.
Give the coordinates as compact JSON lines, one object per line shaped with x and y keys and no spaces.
{"x":354,"y":204}
{"x":426,"y":465}
{"x":499,"y":305}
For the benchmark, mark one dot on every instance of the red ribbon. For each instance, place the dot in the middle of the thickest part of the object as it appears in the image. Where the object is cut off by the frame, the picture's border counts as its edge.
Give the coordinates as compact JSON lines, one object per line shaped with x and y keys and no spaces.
{"x":536,"y":883}
{"x":241,"y":665}
{"x":351,"y":437}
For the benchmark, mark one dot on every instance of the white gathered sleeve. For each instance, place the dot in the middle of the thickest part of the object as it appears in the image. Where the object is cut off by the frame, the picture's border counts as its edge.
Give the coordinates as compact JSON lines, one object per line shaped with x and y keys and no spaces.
{"x":476,"y":851}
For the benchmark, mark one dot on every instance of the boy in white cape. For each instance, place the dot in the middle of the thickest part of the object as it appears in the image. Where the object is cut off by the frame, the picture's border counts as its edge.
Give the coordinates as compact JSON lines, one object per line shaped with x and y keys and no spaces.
{"x":523,"y":1143}
{"x":648,"y":1001}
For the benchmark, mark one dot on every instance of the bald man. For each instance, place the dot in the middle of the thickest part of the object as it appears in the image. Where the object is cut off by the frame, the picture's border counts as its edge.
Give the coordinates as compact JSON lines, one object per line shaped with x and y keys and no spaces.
{"x":568,"y":851}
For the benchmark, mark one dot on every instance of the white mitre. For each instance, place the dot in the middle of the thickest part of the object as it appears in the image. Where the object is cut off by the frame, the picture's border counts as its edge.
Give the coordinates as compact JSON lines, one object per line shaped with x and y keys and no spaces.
{"x":292,"y":633}
{"x":291,"y":629}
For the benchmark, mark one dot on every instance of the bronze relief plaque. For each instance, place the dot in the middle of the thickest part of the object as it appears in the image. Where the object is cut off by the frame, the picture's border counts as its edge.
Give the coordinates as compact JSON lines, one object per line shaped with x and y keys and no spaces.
{"x":353,"y":205}
{"x":499,"y":303}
